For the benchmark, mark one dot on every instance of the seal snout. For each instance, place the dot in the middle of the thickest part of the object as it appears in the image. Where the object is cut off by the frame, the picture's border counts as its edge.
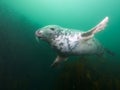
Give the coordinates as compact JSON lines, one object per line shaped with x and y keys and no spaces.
{"x":38,"y":34}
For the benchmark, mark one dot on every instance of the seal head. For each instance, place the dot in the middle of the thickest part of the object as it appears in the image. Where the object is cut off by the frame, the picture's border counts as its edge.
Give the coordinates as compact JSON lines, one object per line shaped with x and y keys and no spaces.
{"x":49,"y":32}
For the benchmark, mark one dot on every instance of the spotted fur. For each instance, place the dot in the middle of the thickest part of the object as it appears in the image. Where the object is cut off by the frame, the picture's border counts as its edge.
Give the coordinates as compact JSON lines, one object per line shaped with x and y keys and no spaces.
{"x":72,"y":42}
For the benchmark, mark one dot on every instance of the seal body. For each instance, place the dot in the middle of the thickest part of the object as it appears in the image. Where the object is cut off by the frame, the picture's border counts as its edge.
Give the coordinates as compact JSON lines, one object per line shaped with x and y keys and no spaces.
{"x":68,"y":42}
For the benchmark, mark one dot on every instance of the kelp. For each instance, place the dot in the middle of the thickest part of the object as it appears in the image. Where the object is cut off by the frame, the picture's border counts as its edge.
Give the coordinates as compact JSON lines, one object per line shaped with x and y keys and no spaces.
{"x":87,"y":73}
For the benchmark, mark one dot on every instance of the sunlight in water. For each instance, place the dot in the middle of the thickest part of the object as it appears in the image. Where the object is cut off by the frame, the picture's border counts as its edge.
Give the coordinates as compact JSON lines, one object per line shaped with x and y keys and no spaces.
{"x":63,"y":11}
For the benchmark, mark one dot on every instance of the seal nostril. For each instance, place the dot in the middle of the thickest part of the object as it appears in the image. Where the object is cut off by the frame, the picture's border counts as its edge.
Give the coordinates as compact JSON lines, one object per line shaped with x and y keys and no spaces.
{"x":38,"y":34}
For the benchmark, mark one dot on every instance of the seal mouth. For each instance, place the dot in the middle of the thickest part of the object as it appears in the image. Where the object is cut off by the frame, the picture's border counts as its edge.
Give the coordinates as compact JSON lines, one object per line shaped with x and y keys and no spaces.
{"x":38,"y":34}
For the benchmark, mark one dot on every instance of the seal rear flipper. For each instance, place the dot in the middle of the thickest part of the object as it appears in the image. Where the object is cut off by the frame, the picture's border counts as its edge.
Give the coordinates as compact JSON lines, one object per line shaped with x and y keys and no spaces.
{"x":104,"y":55}
{"x":99,"y":27}
{"x":58,"y":60}
{"x":109,"y":52}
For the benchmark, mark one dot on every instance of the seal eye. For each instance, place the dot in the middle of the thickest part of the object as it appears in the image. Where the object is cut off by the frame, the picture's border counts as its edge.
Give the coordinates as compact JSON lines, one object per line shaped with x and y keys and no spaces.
{"x":52,"y":29}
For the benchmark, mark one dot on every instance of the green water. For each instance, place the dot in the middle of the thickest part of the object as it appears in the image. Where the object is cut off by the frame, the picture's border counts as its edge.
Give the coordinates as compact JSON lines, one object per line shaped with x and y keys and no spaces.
{"x":24,"y":63}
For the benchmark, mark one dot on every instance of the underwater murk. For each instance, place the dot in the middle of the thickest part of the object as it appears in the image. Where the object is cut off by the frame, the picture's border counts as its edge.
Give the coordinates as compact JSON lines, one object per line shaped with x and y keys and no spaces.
{"x":25,"y":63}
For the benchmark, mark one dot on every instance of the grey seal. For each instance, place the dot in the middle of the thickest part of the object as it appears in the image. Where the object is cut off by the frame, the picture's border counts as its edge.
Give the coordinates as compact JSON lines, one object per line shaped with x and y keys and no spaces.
{"x":67,"y":42}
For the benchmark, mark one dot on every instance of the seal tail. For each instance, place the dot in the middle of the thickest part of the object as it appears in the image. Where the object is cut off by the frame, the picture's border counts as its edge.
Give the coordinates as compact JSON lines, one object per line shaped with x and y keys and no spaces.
{"x":104,"y":52}
{"x":109,"y":52}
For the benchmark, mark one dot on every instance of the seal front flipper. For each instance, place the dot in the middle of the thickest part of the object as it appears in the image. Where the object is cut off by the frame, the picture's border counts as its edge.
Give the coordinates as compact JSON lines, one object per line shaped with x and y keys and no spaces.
{"x":99,"y":27}
{"x":58,"y":60}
